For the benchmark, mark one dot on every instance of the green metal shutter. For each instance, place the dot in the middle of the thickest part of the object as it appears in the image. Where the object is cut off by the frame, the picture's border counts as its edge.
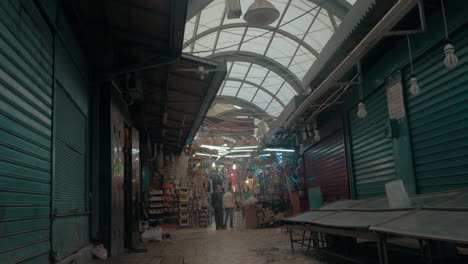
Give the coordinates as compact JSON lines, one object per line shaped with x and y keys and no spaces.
{"x":71,"y":224}
{"x":26,"y":65}
{"x":372,"y":150}
{"x":438,"y":118}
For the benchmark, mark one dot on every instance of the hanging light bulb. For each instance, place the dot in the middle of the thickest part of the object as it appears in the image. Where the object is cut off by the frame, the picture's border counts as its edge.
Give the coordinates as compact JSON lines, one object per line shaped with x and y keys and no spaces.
{"x":234,"y":167}
{"x":451,"y":59}
{"x":362,"y":112}
{"x":316,"y":135}
{"x":414,"y":89}
{"x":213,"y":165}
{"x":414,"y":86}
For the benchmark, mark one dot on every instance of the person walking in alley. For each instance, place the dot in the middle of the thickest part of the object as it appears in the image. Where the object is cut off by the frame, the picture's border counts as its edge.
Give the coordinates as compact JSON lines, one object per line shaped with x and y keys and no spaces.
{"x":217,"y":202}
{"x":229,"y":204}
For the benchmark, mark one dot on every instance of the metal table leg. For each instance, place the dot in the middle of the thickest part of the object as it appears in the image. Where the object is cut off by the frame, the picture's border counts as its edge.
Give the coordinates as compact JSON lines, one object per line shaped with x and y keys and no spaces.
{"x":303,"y":237}
{"x":310,"y":239}
{"x":291,"y":238}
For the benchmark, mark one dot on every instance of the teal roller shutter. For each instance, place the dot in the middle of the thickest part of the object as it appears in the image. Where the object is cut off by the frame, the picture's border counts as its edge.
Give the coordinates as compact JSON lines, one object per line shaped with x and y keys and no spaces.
{"x":438,"y":118}
{"x":26,"y":57}
{"x":71,"y":224}
{"x":372,"y":150}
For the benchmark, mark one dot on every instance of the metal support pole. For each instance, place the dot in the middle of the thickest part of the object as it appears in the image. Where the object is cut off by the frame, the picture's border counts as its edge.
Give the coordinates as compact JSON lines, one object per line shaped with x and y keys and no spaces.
{"x":310,"y":239}
{"x":291,"y":238}
{"x":384,"y":248}
{"x":379,"y":251}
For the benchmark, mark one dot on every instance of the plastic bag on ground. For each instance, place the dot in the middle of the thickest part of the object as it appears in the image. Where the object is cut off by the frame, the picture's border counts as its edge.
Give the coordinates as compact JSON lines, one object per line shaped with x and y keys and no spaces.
{"x":154,"y":234}
{"x":100,"y":252}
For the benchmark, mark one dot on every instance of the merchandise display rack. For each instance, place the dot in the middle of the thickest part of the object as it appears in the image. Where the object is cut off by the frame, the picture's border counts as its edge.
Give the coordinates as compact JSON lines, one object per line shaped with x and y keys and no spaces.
{"x":184,"y":206}
{"x":203,"y":216}
{"x":171,"y":207}
{"x":156,"y":205}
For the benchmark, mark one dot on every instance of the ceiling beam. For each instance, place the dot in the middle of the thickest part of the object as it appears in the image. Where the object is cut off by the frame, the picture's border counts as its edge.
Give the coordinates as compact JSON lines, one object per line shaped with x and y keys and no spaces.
{"x":147,"y":65}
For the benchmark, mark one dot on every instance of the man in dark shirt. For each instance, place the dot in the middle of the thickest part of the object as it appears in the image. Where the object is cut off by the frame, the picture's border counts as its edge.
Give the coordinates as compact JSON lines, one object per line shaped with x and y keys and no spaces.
{"x":217,"y":202}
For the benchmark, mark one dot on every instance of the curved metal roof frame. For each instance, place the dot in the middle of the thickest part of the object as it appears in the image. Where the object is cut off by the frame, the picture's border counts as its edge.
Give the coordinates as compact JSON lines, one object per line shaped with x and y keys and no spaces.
{"x":337,"y":7}
{"x":298,"y":45}
{"x":245,"y":112}
{"x":245,"y":25}
{"x":268,"y":63}
{"x":257,"y":86}
{"x":226,"y":99}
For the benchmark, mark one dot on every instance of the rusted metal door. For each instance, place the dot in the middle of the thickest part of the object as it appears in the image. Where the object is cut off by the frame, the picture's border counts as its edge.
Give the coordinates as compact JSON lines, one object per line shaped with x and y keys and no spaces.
{"x":136,"y":189}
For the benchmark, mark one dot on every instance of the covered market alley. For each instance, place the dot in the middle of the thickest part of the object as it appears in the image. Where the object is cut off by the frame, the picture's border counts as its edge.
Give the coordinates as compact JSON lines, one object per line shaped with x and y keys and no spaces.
{"x":233,"y":131}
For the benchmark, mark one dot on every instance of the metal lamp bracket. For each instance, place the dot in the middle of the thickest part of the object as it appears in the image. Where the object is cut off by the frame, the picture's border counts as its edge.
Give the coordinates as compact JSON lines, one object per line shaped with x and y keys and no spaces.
{"x":422,"y":18}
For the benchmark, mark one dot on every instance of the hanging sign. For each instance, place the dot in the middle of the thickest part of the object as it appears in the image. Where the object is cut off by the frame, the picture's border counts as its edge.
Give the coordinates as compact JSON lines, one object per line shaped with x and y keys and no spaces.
{"x":395,"y":98}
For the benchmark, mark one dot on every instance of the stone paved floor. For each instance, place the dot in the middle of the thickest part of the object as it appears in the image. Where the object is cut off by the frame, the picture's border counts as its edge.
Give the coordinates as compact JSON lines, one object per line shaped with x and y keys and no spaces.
{"x":211,"y":246}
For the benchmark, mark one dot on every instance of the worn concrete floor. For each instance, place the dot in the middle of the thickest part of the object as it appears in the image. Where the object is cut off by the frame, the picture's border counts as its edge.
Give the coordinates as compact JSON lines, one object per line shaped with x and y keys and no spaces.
{"x":211,"y":246}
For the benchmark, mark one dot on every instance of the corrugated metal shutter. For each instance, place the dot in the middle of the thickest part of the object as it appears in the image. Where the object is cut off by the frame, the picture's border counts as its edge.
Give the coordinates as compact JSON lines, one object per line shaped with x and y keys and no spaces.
{"x":438,"y":118}
{"x":372,"y":150}
{"x":325,"y":167}
{"x":26,"y":55}
{"x":71,"y":225}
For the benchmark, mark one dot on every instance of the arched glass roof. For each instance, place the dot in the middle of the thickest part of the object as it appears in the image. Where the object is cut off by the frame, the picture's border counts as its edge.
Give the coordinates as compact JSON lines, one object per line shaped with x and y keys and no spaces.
{"x":266,"y":64}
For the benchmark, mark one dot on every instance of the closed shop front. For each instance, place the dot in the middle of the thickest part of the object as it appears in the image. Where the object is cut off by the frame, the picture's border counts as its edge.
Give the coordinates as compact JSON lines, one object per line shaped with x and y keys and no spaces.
{"x":70,"y":200}
{"x":438,"y":118}
{"x":43,"y":139}
{"x":325,"y":163}
{"x":26,"y":91}
{"x":371,"y":150}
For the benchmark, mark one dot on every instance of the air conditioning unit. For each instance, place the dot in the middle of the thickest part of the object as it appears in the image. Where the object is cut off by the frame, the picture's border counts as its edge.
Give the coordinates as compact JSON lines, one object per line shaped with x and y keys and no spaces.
{"x":233,"y":9}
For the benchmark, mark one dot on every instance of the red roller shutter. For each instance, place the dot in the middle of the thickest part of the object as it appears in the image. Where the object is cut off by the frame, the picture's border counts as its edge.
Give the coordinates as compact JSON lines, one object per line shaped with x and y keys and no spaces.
{"x":325,"y":163}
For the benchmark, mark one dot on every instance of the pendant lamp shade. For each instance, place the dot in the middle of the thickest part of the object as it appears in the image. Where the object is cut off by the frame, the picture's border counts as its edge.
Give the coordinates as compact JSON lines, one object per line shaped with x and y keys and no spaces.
{"x":261,"y":12}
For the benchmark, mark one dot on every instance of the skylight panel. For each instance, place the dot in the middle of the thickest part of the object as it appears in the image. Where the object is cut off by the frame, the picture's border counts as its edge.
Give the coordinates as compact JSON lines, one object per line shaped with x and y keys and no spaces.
{"x":262,"y":99}
{"x":301,"y":62}
{"x":239,"y":69}
{"x":282,"y":50}
{"x":259,"y":40}
{"x":211,"y":16}
{"x":229,"y":39}
{"x":256,"y":74}
{"x":274,"y":108}
{"x":229,"y":91}
{"x":247,"y":92}
{"x":286,"y":93}
{"x":189,"y":29}
{"x":273,"y":82}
